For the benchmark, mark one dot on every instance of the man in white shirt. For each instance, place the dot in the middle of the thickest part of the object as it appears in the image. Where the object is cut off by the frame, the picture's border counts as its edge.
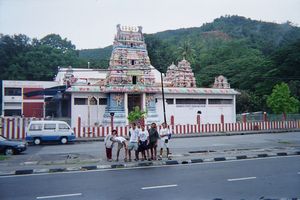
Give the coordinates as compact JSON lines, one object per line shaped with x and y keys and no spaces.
{"x":133,"y":142}
{"x":143,"y":142}
{"x":164,"y":140}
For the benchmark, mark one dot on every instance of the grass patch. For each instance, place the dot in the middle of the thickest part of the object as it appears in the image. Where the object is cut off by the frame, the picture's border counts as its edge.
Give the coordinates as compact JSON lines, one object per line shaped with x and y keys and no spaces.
{"x":2,"y":157}
{"x":284,"y":142}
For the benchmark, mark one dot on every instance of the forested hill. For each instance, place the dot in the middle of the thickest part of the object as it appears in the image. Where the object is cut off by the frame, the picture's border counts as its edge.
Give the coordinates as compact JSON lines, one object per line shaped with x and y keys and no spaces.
{"x":253,"y":55}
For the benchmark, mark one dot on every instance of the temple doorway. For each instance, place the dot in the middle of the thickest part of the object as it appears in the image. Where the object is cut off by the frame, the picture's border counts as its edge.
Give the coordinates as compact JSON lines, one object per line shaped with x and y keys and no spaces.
{"x":133,"y":101}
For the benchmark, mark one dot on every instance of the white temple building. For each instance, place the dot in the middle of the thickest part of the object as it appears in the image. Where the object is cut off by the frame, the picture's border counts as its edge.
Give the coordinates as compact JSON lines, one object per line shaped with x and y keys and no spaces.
{"x":132,"y":81}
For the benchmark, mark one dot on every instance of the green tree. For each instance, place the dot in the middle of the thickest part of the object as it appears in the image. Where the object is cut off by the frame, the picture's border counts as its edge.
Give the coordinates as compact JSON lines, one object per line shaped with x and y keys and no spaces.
{"x":280,"y":101}
{"x":136,"y":115}
{"x":55,"y":41}
{"x":247,"y":102}
{"x":185,"y":50}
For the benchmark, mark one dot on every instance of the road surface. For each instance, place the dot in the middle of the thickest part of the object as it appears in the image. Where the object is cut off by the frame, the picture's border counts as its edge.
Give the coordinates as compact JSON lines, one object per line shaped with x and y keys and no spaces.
{"x":277,"y":177}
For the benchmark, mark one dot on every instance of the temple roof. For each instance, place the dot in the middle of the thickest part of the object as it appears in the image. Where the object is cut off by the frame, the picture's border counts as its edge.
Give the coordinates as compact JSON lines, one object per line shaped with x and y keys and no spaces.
{"x":157,"y":89}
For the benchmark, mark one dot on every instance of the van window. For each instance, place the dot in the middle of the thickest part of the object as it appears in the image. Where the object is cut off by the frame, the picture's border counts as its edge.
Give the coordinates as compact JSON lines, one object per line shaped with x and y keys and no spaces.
{"x":63,"y":127}
{"x":36,"y":127}
{"x":49,"y":126}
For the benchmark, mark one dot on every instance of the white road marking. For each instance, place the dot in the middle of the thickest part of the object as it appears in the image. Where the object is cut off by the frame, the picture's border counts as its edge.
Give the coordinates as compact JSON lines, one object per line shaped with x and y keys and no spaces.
{"x":58,"y":196}
{"x":241,"y":179}
{"x":298,"y":173}
{"x":146,"y":167}
{"x":159,"y":186}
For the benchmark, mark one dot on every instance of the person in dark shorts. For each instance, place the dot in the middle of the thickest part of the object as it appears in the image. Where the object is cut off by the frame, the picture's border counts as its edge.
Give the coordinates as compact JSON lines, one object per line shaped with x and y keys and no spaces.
{"x":143,"y":142}
{"x":153,"y":138}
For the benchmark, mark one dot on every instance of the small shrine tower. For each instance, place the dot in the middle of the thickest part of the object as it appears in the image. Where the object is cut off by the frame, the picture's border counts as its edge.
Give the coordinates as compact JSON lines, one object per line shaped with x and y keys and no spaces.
{"x":181,"y":75}
{"x":221,"y":82}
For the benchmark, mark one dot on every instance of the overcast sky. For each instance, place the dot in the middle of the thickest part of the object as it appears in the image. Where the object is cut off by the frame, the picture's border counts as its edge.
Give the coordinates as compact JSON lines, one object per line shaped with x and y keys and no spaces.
{"x":92,"y":23}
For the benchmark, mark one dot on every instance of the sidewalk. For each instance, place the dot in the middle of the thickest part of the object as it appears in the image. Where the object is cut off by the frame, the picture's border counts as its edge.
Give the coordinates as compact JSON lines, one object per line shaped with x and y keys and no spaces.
{"x":89,"y":155}
{"x":189,"y":135}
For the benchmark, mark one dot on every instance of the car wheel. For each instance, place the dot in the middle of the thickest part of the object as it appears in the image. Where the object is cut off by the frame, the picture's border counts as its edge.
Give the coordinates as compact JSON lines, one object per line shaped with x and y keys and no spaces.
{"x":37,"y":141}
{"x":9,"y":151}
{"x":64,"y":140}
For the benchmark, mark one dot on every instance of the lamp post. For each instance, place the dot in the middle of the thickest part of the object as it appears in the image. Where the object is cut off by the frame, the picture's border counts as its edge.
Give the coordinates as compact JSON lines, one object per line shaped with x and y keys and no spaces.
{"x":112,"y":120}
{"x":163,"y":97}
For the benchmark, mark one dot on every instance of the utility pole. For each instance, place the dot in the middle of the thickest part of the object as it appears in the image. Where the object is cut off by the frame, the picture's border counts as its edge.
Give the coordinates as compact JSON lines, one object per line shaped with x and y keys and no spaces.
{"x":163,"y":97}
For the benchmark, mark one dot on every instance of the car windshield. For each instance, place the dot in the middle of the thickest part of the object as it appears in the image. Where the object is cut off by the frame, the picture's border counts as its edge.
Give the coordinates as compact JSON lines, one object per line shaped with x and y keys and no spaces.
{"x":2,"y":138}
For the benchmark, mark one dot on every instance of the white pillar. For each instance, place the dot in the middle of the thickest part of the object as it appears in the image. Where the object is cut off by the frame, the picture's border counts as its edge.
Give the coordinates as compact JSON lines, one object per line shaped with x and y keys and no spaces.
{"x":126,"y":107}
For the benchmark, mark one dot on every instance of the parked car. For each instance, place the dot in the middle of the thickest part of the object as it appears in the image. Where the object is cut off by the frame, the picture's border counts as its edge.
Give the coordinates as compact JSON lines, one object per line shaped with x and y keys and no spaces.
{"x":45,"y":131}
{"x":9,"y":147}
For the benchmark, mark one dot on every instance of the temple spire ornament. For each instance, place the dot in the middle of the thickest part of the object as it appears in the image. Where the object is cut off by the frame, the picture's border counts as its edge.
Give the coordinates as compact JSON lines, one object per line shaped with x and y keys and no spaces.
{"x":181,"y":75}
{"x":129,"y":63}
{"x":221,"y":82}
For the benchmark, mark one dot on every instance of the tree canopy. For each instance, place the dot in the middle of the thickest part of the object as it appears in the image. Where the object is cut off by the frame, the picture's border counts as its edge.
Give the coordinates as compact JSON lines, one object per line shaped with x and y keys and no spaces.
{"x":281,"y":101}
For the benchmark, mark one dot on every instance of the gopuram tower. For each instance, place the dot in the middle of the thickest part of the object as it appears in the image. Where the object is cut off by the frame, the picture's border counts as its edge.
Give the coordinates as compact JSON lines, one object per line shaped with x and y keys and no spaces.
{"x":130,"y":77}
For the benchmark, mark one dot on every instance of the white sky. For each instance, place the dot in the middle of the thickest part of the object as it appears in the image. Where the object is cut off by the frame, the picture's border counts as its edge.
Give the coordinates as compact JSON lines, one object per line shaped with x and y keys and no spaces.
{"x":92,"y":23}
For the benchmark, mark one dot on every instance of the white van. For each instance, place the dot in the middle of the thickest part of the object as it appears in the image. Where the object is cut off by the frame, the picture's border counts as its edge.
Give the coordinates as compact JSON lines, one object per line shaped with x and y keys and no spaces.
{"x":42,"y":131}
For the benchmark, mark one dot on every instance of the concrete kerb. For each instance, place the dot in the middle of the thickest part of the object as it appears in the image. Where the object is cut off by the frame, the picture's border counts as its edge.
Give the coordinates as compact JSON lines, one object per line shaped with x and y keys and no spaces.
{"x":145,"y":164}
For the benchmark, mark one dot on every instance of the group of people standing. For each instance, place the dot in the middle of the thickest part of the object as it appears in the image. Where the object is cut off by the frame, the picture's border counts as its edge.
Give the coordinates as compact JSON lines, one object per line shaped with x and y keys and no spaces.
{"x":141,"y":141}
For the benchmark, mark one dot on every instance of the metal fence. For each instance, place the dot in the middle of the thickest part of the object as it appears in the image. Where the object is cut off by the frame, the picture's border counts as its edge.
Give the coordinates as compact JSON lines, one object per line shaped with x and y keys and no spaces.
{"x":259,"y":117}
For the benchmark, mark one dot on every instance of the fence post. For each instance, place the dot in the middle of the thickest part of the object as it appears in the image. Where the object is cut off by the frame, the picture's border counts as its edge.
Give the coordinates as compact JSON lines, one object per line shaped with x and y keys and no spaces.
{"x":172,"y":120}
{"x":244,"y":119}
{"x":79,"y":127}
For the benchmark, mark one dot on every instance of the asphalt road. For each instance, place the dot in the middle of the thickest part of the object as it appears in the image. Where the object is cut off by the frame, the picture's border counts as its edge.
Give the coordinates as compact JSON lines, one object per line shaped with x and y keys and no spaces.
{"x":247,"y":179}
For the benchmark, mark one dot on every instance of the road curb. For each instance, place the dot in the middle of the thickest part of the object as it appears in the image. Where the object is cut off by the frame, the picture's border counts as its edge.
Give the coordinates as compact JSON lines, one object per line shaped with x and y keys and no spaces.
{"x":146,"y":164}
{"x":24,"y":171}
{"x":54,"y":170}
{"x":92,"y":167}
{"x":263,"y":155}
{"x":241,"y":157}
{"x":171,"y":162}
{"x":220,"y":159}
{"x":197,"y":160}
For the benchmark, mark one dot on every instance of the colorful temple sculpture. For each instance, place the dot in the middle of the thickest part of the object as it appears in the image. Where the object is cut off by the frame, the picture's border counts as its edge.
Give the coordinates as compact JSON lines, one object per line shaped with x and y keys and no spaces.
{"x":221,"y":82}
{"x":129,"y":76}
{"x":181,"y":76}
{"x":130,"y":80}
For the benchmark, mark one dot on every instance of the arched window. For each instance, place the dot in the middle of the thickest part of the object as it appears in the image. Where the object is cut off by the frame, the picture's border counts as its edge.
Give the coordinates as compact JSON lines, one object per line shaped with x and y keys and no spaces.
{"x":93,"y":101}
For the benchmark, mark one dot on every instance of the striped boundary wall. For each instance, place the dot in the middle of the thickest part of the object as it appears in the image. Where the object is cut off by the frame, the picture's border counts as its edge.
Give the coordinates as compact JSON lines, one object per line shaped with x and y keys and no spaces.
{"x":15,"y":128}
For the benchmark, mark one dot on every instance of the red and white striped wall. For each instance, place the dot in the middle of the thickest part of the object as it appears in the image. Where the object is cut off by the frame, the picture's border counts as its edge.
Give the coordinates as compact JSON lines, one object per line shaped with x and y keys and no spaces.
{"x":15,"y":128}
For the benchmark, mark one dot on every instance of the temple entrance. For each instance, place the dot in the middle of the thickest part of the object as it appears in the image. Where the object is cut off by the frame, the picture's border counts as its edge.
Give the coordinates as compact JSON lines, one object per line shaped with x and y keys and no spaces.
{"x":133,"y":101}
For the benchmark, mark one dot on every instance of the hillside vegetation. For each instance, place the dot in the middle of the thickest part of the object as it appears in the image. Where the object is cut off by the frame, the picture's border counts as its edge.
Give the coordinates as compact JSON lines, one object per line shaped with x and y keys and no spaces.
{"x":253,"y":55}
